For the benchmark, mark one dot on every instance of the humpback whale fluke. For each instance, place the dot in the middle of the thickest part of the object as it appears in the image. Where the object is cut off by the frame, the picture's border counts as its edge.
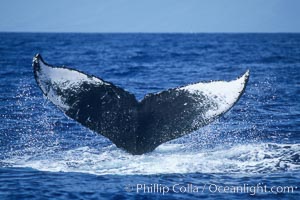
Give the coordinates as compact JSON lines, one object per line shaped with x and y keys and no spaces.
{"x":136,"y":126}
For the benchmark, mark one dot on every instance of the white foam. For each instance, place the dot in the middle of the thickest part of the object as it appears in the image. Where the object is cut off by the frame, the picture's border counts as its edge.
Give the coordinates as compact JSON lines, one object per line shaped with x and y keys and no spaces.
{"x":166,"y":159}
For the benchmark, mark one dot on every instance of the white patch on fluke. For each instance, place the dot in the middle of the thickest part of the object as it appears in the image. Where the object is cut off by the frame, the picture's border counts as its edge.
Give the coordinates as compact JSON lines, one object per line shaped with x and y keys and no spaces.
{"x":223,"y":94}
{"x":66,"y":77}
{"x":53,"y":78}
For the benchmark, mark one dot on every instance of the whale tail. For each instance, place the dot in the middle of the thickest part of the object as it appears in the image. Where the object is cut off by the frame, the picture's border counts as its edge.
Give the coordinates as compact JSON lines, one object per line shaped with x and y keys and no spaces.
{"x":136,"y":126}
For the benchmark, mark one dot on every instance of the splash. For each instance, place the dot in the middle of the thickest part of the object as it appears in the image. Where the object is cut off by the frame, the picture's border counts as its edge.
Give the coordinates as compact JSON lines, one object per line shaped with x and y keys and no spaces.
{"x":168,"y":159}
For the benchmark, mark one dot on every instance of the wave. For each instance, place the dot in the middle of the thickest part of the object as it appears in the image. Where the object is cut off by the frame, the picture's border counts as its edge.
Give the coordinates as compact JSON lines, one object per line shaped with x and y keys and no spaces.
{"x":166,"y":159}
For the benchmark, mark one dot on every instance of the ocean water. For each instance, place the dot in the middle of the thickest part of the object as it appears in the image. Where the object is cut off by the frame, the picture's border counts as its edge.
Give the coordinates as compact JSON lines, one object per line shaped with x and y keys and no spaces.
{"x":251,"y":152}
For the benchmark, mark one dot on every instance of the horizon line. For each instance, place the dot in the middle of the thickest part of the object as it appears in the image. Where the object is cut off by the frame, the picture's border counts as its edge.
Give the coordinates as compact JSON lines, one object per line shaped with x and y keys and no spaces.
{"x":155,"y":32}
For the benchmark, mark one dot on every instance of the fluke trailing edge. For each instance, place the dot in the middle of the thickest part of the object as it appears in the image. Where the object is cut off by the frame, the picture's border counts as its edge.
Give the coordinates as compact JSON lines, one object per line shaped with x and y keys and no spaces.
{"x":136,"y":126}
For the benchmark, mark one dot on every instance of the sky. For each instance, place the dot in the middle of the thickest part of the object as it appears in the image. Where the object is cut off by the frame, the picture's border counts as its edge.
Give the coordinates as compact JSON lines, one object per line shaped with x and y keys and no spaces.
{"x":189,"y":16}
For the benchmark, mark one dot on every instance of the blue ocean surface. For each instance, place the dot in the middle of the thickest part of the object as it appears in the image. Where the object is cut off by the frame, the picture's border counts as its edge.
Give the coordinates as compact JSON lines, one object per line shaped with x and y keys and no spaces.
{"x":253,"y":151}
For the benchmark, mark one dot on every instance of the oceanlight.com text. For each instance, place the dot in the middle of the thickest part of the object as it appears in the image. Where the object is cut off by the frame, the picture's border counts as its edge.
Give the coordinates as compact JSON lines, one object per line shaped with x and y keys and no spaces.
{"x":209,"y":188}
